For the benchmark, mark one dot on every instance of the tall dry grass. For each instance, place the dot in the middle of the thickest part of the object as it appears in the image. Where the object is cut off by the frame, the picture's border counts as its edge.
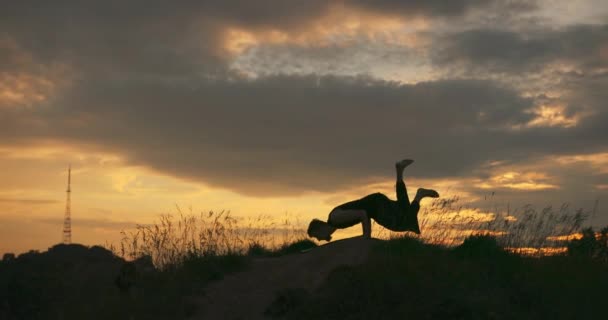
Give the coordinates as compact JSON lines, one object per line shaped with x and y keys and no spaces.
{"x":176,"y":237}
{"x":447,"y":221}
{"x":527,"y":229}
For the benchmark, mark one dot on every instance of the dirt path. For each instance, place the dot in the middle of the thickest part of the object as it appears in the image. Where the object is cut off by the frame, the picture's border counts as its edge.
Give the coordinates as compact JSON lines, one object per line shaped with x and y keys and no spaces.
{"x":245,"y":295}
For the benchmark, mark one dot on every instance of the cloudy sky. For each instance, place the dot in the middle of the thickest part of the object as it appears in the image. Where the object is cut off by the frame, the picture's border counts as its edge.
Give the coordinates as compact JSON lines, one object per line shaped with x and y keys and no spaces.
{"x":292,"y":107}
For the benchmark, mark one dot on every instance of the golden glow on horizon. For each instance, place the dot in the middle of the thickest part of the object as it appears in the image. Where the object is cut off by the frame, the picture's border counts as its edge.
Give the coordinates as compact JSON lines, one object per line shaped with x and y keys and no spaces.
{"x":546,"y":251}
{"x":463,"y":216}
{"x":568,"y":237}
{"x":110,"y":194}
{"x":518,"y":181}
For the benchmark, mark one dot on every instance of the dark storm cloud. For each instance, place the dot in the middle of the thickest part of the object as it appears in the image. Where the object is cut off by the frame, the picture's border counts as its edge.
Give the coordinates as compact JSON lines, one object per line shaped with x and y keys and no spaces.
{"x":113,"y":36}
{"x":589,"y":93}
{"x":485,"y":50}
{"x":121,"y":29}
{"x":288,"y":134}
{"x":440,"y":7}
{"x":570,"y":60}
{"x":163,"y":38}
{"x":151,"y":82}
{"x":167,"y":39}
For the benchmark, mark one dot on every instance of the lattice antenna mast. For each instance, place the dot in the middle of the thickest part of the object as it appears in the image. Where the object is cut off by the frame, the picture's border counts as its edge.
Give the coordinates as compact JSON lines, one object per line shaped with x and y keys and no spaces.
{"x":67,"y":221}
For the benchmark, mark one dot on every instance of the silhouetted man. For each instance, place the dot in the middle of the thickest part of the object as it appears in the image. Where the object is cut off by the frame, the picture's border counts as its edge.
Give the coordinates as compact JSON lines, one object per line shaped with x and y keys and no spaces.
{"x":400,"y":215}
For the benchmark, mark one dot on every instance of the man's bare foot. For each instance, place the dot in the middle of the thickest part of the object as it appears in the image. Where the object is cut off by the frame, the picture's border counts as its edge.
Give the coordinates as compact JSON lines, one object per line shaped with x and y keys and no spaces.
{"x":423,"y":193}
{"x":400,"y":165}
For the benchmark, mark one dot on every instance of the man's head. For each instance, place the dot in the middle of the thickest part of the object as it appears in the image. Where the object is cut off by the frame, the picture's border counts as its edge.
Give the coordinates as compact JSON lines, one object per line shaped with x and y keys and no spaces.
{"x":320,"y":230}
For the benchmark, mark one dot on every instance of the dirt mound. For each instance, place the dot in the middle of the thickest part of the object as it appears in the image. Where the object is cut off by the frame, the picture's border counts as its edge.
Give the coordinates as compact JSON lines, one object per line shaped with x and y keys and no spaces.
{"x":248,"y":294}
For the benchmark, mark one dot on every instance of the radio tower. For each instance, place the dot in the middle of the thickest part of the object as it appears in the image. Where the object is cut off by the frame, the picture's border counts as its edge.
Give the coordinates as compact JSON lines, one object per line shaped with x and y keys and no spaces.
{"x":67,"y":221}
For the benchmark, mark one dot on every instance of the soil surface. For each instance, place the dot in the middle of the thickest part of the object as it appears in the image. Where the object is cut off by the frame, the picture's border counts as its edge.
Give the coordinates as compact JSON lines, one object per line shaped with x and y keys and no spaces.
{"x":248,"y":294}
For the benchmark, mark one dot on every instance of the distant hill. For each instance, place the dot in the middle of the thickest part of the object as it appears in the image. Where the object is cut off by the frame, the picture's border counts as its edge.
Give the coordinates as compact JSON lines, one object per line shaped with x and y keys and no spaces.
{"x":67,"y":280}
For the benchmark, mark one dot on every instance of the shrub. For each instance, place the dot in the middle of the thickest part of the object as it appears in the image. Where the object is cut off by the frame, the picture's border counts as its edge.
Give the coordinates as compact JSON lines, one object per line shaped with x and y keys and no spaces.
{"x":480,"y":246}
{"x":591,"y":245}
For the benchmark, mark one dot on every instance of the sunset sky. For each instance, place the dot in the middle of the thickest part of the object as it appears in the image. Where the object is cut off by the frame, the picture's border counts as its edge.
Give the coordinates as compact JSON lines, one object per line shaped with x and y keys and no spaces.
{"x":289,"y":108}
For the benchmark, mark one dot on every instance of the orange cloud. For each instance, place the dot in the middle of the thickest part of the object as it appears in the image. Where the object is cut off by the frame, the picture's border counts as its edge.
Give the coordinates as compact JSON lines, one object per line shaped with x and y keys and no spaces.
{"x":599,"y":161}
{"x":29,"y":83}
{"x":23,"y":89}
{"x":338,"y":27}
{"x":553,"y":116}
{"x":517,"y":180}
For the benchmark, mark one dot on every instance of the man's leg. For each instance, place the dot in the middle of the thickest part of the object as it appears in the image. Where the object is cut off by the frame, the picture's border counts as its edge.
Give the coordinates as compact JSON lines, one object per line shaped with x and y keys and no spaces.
{"x":410,"y":210}
{"x":423,"y":193}
{"x":402,"y":197}
{"x":344,"y":218}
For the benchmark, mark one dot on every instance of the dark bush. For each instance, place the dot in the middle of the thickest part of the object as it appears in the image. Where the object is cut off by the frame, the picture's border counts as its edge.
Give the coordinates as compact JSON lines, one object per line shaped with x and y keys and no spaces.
{"x":480,"y":246}
{"x":591,"y":245}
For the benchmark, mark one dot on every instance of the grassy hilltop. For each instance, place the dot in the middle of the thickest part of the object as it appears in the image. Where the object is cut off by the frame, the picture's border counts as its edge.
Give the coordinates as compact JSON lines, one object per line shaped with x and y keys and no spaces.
{"x":169,"y":267}
{"x":402,"y":278}
{"x":406,"y":279}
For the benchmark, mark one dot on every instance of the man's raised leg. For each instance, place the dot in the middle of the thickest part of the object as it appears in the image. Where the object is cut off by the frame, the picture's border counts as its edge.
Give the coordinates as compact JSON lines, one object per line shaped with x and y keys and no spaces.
{"x":423,"y":193}
{"x":402,"y":197}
